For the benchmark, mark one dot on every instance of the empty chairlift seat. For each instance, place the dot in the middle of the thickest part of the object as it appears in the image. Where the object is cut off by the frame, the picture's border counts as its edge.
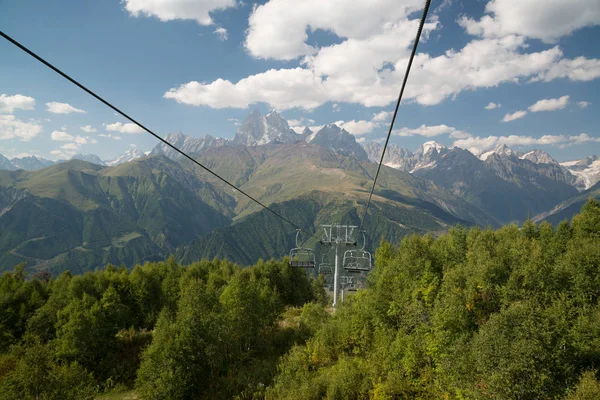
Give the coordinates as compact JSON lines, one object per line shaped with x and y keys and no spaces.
{"x":325,"y":267}
{"x":357,"y":260}
{"x":302,"y":258}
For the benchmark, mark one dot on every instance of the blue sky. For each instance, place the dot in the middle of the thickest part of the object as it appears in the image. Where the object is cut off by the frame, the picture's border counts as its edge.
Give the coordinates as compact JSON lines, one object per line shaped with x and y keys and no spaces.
{"x":314,"y":61}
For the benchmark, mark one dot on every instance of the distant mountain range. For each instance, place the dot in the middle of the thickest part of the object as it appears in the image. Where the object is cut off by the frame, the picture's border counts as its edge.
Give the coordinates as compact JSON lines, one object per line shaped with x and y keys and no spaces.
{"x":86,"y":212}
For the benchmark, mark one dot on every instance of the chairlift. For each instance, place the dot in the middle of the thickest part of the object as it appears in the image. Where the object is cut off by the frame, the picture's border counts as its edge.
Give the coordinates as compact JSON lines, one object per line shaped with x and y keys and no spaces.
{"x":325,"y":267}
{"x":357,"y":260}
{"x":301,"y":257}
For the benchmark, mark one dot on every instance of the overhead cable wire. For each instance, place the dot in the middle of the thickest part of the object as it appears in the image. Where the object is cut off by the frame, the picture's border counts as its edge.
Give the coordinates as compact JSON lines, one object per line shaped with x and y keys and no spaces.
{"x":410,"y":61}
{"x":102,"y":100}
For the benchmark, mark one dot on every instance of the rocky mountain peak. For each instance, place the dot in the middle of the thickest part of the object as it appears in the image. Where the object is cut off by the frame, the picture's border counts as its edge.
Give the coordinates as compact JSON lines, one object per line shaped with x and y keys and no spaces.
{"x":501,"y":150}
{"x":94,"y":159}
{"x":258,"y":130}
{"x":339,"y":140}
{"x":538,"y":157}
{"x":431,"y":146}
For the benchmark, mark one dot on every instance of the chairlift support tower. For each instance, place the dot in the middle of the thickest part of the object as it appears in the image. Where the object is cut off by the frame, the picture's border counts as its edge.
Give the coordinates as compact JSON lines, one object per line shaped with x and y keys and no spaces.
{"x":338,"y":235}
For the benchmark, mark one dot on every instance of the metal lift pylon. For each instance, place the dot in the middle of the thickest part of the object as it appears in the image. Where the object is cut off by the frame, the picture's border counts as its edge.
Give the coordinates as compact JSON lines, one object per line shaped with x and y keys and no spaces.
{"x":338,"y":235}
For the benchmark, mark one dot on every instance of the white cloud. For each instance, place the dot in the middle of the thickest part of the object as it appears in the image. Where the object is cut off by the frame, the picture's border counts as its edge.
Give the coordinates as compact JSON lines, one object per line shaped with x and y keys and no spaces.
{"x":168,"y":10}
{"x":62,"y":108}
{"x":298,"y":125}
{"x":431,"y":131}
{"x":583,"y":138}
{"x":109,"y":136}
{"x":335,"y":107}
{"x":550,"y":104}
{"x":124,"y":128}
{"x":515,"y":115}
{"x":492,"y":106}
{"x":361,"y":140}
{"x":357,"y":127}
{"x":221,"y":33}
{"x":540,"y":19}
{"x":62,"y":154}
{"x":383,"y":116}
{"x":8,"y":104}
{"x":478,"y":145}
{"x":367,"y":65}
{"x":234,"y":121}
{"x":583,"y":104}
{"x":61,"y":136}
{"x":13,"y":128}
{"x":67,"y":150}
{"x":88,"y":129}
{"x":70,"y":146}
{"x":279,"y":28}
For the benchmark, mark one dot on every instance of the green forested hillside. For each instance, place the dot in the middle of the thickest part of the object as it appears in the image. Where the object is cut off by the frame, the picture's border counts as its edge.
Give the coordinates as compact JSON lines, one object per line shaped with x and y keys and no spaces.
{"x":81,"y":216}
{"x":567,"y":209}
{"x":264,"y":235}
{"x":472,"y":314}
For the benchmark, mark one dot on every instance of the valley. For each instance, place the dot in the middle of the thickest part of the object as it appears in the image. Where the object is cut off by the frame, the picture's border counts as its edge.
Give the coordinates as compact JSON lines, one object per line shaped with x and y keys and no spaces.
{"x":84,"y":213}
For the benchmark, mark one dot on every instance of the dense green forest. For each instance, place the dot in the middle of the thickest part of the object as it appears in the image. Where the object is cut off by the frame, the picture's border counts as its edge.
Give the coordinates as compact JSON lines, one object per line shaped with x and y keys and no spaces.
{"x":476,"y":313}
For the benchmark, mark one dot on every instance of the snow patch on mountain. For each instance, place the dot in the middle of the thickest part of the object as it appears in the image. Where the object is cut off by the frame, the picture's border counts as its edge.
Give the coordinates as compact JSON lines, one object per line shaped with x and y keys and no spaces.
{"x":587,"y":171}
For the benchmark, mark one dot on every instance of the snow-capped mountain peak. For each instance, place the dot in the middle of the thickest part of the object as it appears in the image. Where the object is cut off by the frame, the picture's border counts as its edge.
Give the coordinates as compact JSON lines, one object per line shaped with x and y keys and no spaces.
{"x":501,"y":149}
{"x":258,"y":130}
{"x":31,"y":162}
{"x":430,"y":146}
{"x":538,"y":157}
{"x":128,"y":156}
{"x":587,"y":171}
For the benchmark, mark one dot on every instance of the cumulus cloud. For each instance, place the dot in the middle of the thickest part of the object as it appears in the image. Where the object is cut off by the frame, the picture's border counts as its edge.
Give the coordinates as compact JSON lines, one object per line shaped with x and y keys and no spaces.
{"x":478,"y":145}
{"x":431,"y":131}
{"x":109,"y":136}
{"x":62,"y":154}
{"x":168,"y":10}
{"x":298,"y":125}
{"x":515,"y":115}
{"x":583,"y":104}
{"x":75,"y":141}
{"x":335,"y":107}
{"x":276,"y":32}
{"x":13,"y":128}
{"x":62,"y":108}
{"x":367,"y":65}
{"x":540,"y":19}
{"x":583,"y":138}
{"x":492,"y":106}
{"x":550,"y":104}
{"x":383,"y":116}
{"x":221,"y":33}
{"x":88,"y":129}
{"x":8,"y":104}
{"x":349,"y":72}
{"x":61,"y":136}
{"x":124,"y":128}
{"x":354,"y":127}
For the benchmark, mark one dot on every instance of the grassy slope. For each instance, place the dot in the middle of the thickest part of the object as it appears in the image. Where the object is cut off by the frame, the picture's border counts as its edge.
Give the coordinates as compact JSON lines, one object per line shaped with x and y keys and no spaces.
{"x":569,"y":208}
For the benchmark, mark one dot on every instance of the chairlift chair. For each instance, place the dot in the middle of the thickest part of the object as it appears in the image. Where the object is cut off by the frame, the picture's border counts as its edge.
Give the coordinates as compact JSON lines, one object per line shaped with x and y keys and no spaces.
{"x":357,"y":260}
{"x":301,"y":257}
{"x":325,"y":267}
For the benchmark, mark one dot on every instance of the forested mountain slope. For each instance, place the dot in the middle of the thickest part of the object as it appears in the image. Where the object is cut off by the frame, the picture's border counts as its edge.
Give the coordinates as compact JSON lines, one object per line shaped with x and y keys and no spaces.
{"x":78,"y":215}
{"x":569,"y":208}
{"x":508,"y":314}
